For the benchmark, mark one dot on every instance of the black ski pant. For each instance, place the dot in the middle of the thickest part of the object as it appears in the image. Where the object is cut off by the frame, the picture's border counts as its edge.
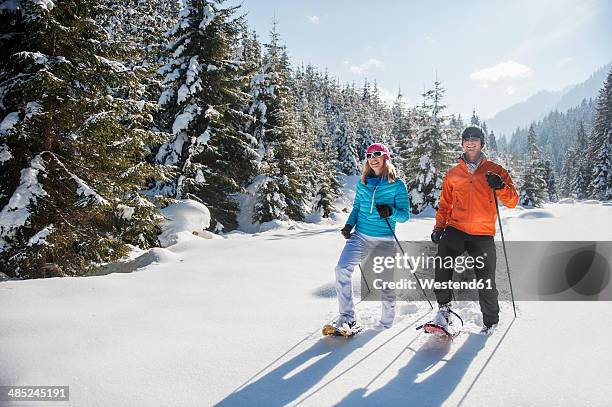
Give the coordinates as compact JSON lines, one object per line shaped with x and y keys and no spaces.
{"x":453,"y":244}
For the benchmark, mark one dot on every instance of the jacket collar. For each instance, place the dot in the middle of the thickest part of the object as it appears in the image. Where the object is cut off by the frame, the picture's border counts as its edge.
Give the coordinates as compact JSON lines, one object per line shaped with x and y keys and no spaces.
{"x":374,"y":180}
{"x":471,"y":167}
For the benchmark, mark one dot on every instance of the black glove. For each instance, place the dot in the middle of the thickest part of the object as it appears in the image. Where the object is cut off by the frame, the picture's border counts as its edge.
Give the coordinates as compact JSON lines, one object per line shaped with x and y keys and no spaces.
{"x":384,"y":211}
{"x":436,"y":235}
{"x":346,"y":231}
{"x":495,"y":181}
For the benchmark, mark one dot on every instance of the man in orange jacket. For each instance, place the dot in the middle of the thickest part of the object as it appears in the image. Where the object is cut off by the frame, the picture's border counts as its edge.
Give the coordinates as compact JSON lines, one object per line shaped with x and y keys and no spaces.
{"x":465,"y":221}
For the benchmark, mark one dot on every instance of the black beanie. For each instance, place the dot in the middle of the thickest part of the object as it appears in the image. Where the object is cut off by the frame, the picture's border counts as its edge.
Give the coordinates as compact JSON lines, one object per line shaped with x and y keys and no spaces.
{"x":473,"y":132}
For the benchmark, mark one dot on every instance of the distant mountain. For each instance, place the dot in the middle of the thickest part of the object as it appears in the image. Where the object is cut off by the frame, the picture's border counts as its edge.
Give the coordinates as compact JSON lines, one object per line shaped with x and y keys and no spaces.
{"x":537,"y":106}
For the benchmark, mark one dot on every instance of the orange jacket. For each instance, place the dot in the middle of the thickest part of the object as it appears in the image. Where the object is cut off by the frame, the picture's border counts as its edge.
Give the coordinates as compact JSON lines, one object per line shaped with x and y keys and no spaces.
{"x":467,"y":203}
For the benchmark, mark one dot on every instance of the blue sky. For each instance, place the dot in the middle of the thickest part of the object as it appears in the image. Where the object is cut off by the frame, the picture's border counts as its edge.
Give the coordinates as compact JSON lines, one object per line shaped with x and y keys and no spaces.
{"x":488,"y":54}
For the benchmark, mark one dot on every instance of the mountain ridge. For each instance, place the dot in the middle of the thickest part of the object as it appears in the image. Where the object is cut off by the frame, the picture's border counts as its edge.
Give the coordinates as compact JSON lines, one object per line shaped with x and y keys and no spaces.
{"x":538,"y":105}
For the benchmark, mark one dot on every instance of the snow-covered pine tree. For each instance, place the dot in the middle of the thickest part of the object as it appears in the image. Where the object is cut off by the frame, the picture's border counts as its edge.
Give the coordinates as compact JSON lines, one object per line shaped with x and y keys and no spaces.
{"x":431,"y":155}
{"x":401,"y":134}
{"x":140,"y":27}
{"x":456,"y":122}
{"x":339,"y":126}
{"x":474,"y":120}
{"x":580,"y":183}
{"x":549,"y":178}
{"x":319,"y":167}
{"x":491,"y":147}
{"x":455,"y":129}
{"x":346,"y":154}
{"x":556,"y":133}
{"x":502,"y":144}
{"x":362,"y":116}
{"x":379,"y":119}
{"x":327,"y":188}
{"x":250,"y":55}
{"x":492,"y":142}
{"x":72,"y":143}
{"x":202,"y":107}
{"x":568,"y":172}
{"x":138,"y":23}
{"x":457,"y":125}
{"x":283,"y":192}
{"x":600,"y":143}
{"x":532,"y":190}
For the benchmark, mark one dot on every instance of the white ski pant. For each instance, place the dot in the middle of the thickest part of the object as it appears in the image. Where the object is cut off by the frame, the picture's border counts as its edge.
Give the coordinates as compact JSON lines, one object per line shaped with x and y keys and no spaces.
{"x":356,"y":249}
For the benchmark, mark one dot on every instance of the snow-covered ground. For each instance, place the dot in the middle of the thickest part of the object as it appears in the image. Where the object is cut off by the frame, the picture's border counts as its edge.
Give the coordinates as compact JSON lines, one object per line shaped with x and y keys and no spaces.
{"x":235,"y":321}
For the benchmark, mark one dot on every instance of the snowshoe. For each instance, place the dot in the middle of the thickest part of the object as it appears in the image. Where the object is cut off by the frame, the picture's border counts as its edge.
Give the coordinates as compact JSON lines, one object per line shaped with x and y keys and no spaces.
{"x":346,"y":329}
{"x":488,"y":330}
{"x":442,"y":326}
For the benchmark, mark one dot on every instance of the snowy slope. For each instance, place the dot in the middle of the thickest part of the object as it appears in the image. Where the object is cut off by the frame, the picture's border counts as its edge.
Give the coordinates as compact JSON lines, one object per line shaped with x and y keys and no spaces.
{"x":235,"y":321}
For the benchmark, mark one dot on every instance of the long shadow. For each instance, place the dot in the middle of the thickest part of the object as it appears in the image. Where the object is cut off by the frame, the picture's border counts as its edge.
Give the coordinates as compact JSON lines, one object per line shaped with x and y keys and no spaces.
{"x":284,"y":384}
{"x":302,"y":234}
{"x":485,"y":365}
{"x":407,"y":388}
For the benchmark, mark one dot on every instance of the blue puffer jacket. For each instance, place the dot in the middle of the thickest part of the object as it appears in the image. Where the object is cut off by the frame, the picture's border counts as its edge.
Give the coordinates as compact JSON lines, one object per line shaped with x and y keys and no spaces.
{"x":379,"y":191}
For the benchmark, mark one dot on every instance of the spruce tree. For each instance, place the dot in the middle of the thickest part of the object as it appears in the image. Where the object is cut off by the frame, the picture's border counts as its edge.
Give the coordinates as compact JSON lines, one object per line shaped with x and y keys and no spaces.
{"x":319,"y":167}
{"x":557,"y":133}
{"x":139,"y":24}
{"x":474,"y":120}
{"x":532,"y":190}
{"x":73,"y":144}
{"x":364,"y":110}
{"x":315,"y":145}
{"x":502,"y":144}
{"x":601,"y":144}
{"x":491,"y":147}
{"x":431,"y":155}
{"x":549,"y":178}
{"x":580,"y":182}
{"x":212,"y":157}
{"x":284,"y":189}
{"x":492,"y":142}
{"x":346,"y":153}
{"x":568,"y":173}
{"x":401,"y":134}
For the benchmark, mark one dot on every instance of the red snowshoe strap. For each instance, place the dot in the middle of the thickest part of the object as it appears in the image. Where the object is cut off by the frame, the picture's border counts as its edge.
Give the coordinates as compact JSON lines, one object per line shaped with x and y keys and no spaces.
{"x":433,"y":329}
{"x":431,"y":324}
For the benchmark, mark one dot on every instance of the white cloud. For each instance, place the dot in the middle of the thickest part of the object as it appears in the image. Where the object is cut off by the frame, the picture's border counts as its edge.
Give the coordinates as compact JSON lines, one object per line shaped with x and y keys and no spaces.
{"x":565,"y":61}
{"x":510,"y":90}
{"x":503,"y":70}
{"x":313,"y":19}
{"x":359,"y":69}
{"x":429,"y":39}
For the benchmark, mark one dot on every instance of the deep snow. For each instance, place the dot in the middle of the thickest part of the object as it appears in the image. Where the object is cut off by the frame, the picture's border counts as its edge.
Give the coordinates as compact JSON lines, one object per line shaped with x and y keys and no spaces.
{"x":236,"y":321}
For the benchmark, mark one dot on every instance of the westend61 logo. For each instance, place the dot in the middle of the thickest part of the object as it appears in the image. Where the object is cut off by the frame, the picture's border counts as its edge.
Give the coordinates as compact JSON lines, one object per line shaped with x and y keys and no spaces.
{"x":414,"y":263}
{"x":431,"y":284}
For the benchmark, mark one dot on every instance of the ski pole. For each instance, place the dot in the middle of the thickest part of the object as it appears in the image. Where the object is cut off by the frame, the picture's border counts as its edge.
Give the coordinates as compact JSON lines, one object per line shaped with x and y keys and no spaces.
{"x":404,"y":253}
{"x":501,"y":230}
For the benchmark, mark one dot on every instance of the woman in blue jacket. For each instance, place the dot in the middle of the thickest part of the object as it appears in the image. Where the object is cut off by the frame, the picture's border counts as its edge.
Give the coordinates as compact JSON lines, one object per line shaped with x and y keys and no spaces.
{"x":380,"y":197}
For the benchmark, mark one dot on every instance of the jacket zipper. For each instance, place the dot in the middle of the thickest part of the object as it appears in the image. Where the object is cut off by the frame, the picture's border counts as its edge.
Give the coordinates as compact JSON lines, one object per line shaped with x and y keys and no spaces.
{"x":374,"y":194}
